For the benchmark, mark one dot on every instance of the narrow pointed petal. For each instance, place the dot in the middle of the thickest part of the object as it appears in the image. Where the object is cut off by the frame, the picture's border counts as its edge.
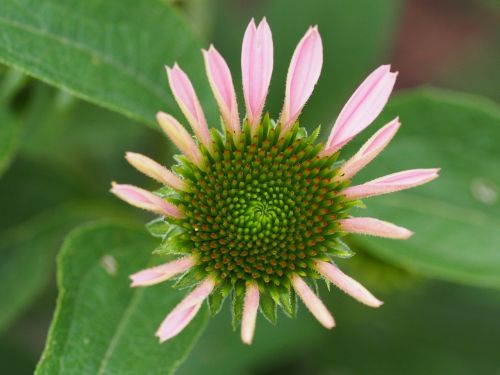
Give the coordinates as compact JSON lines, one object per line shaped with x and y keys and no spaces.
{"x":185,"y":311}
{"x":188,"y":102}
{"x":250,"y":309}
{"x":154,"y":170}
{"x":362,"y":108}
{"x":180,"y":137}
{"x":303,"y":74}
{"x":158,"y":274}
{"x":313,"y":303}
{"x":256,"y":68}
{"x":347,"y":284}
{"x":392,"y":183}
{"x":370,"y":150}
{"x":222,"y":86}
{"x":146,"y":200}
{"x":374,"y":227}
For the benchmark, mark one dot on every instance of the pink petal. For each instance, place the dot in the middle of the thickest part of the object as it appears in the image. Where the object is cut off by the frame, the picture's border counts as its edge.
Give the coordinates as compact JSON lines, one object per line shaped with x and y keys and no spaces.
{"x":362,"y":108}
{"x":146,"y":200}
{"x":303,"y":74}
{"x":155,"y":275}
{"x":188,"y":102}
{"x":374,"y":227}
{"x":180,"y":137}
{"x":313,"y":303}
{"x":185,"y":311}
{"x":256,"y":68}
{"x":154,"y":170}
{"x":391,"y":183}
{"x":347,"y":284}
{"x":249,"y":318}
{"x":369,"y":150}
{"x":221,"y":83}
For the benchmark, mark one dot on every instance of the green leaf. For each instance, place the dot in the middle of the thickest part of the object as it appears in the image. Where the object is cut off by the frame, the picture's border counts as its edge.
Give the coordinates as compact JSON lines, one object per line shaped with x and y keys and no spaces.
{"x":101,"y":325}
{"x":12,"y":81}
{"x":27,"y":252}
{"x":456,"y":218}
{"x":9,"y":132}
{"x":420,"y":326}
{"x":107,"y":52}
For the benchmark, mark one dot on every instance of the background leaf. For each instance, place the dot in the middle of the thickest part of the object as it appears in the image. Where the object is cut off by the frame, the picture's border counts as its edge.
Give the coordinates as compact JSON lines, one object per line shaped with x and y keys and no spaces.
{"x":9,"y":132}
{"x":110,"y":53}
{"x":28,"y":250}
{"x":457,"y":217}
{"x":101,"y":325}
{"x":430,"y":328}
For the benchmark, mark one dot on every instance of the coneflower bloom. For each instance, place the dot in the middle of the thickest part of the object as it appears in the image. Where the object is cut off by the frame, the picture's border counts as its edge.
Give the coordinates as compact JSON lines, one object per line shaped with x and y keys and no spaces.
{"x":257,"y":211}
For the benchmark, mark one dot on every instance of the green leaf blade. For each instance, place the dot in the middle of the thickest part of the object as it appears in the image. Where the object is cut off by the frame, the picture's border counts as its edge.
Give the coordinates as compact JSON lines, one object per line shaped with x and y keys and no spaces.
{"x":101,"y":325}
{"x":9,"y":135}
{"x":104,"y":52}
{"x":456,"y":218}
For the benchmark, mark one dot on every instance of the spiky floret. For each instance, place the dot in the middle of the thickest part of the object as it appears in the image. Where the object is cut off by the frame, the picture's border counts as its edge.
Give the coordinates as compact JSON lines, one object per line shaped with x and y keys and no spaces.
{"x":261,"y":207}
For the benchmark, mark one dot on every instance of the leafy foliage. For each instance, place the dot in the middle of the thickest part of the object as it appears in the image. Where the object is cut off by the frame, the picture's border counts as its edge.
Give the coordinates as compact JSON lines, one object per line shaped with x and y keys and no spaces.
{"x":101,"y":325}
{"x":28,"y":251}
{"x":9,"y":131}
{"x":102,"y":51}
{"x":457,"y":217}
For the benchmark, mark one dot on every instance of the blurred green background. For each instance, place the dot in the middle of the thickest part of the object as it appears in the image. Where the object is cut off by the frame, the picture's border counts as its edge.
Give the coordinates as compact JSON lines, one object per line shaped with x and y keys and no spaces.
{"x":59,"y":151}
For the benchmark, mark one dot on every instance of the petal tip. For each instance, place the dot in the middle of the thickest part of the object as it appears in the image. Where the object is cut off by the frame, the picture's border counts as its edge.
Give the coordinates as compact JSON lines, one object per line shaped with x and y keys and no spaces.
{"x":161,"y":338}
{"x":406,"y":233}
{"x":246,"y":341}
{"x":160,"y":115}
{"x":330,"y":324}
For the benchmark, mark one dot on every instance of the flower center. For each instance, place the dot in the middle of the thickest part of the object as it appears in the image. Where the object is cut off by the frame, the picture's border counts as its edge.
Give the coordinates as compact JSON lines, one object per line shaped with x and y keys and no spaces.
{"x":263,"y":207}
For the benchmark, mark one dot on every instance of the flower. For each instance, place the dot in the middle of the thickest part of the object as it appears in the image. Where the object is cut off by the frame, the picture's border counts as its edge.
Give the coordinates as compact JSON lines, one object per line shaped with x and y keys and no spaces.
{"x":257,"y":211}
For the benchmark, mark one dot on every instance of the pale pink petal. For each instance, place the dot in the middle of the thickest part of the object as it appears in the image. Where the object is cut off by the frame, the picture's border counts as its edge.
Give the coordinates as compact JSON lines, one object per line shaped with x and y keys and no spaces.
{"x":188,"y":102}
{"x":313,"y":303}
{"x":146,"y":200}
{"x":250,"y":309}
{"x":347,"y":284}
{"x":391,"y":183}
{"x":369,"y":150}
{"x":155,"y":275}
{"x":362,"y":108}
{"x":374,"y":227}
{"x":303,"y":74}
{"x":256,"y":68}
{"x":221,"y":83}
{"x":185,"y":311}
{"x":180,"y":137}
{"x":154,"y":170}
